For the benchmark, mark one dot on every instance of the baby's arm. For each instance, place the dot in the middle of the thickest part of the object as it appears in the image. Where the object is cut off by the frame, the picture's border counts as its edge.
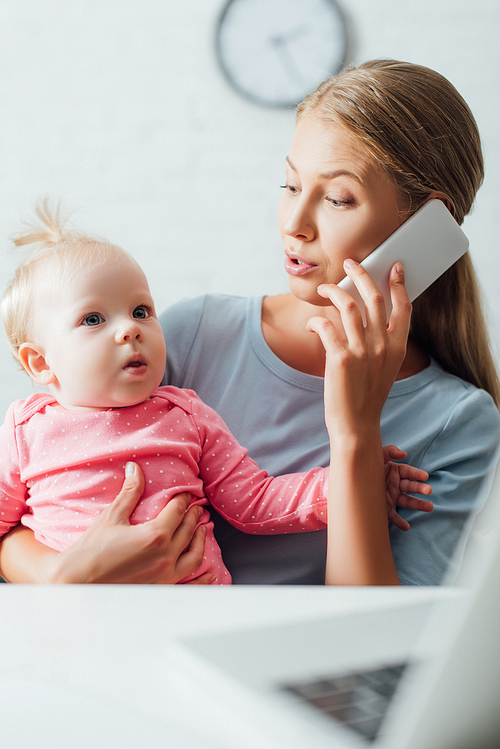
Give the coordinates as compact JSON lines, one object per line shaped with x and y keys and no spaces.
{"x":247,"y":496}
{"x":256,"y":503}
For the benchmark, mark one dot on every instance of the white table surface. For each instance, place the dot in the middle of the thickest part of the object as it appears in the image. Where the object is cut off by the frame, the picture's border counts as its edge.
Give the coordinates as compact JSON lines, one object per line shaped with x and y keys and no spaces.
{"x":116,"y":646}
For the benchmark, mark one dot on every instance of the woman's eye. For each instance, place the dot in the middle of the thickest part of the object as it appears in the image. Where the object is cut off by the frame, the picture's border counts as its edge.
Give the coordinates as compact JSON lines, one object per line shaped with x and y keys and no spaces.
{"x":290,"y":188}
{"x":92,"y":320}
{"x":141,"y":313}
{"x":338,"y":203}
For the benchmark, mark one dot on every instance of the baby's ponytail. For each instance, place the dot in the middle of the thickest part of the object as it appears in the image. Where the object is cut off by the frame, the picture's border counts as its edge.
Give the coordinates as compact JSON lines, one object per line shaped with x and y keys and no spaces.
{"x":58,"y":251}
{"x":53,"y":228}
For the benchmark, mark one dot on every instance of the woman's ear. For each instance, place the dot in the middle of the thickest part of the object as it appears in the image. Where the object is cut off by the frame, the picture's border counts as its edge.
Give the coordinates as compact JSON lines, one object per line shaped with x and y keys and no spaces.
{"x":34,"y":362}
{"x":439,"y":196}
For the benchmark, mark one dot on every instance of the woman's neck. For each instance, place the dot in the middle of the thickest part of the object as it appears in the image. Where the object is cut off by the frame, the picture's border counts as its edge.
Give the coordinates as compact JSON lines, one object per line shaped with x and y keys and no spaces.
{"x":284,"y":320}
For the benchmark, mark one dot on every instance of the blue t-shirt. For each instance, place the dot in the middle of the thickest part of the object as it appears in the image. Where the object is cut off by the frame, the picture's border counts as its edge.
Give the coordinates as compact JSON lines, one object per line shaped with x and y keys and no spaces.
{"x":448,"y":427}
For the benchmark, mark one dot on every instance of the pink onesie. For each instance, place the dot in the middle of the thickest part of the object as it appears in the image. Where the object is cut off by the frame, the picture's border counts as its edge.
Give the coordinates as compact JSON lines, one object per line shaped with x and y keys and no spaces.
{"x":59,"y":469}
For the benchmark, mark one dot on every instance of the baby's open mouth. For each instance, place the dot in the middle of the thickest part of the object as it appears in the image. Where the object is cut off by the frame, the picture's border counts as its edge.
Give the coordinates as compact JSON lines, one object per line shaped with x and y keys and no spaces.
{"x":136,"y":365}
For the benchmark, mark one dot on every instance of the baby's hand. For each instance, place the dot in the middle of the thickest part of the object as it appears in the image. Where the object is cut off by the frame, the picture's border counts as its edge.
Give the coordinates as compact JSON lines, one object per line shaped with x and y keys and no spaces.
{"x":399,"y":479}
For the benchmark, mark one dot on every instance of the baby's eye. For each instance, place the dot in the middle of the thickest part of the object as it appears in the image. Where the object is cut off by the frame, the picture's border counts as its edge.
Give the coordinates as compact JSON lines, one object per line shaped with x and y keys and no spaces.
{"x":290,"y":188}
{"x":142,"y":312}
{"x":92,"y":320}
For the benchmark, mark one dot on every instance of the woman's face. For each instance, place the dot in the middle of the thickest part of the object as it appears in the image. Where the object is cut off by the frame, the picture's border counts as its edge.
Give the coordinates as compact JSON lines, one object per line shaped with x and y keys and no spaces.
{"x":336,"y":204}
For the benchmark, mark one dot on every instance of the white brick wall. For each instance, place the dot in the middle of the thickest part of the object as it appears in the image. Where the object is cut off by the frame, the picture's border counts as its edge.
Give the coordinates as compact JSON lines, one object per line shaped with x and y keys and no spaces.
{"x":119,"y":107}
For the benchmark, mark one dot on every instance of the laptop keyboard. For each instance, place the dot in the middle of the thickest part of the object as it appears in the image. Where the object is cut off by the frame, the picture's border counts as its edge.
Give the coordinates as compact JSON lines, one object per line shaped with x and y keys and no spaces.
{"x":358,"y":700}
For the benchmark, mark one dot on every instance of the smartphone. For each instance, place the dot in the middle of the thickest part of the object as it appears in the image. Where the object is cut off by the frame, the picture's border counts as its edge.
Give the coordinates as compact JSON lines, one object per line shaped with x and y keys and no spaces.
{"x":427,"y":244}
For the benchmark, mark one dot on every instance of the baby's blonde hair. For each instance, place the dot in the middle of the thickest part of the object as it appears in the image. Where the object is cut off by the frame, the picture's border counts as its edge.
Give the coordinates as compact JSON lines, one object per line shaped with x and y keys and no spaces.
{"x":60,"y":252}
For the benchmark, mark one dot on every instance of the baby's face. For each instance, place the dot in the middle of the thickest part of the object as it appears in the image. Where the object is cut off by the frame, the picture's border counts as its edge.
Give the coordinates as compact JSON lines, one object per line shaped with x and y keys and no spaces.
{"x":102,"y":339}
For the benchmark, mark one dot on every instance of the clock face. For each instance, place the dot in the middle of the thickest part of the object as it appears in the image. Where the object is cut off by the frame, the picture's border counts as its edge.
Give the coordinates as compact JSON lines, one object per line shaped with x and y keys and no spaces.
{"x":274,"y":52}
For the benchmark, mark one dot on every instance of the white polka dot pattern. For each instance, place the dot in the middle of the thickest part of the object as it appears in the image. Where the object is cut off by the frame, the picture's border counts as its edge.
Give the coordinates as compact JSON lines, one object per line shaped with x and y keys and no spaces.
{"x":59,"y":469}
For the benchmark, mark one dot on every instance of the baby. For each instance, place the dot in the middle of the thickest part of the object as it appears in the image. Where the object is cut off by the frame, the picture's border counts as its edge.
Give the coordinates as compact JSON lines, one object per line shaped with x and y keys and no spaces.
{"x":81,"y":321}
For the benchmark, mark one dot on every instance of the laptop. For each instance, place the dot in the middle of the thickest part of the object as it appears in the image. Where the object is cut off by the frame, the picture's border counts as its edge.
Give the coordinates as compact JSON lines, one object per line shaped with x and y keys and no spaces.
{"x":418,"y":676}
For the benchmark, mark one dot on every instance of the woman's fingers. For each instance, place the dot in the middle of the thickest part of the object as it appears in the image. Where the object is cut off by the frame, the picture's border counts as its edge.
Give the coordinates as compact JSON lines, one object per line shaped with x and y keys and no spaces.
{"x":175,"y":516}
{"x":185,"y":522}
{"x":173,"y":529}
{"x":192,"y":558}
{"x":206,"y":579}
{"x":184,"y":541}
{"x":328,"y":333}
{"x":361,"y":362}
{"x":123,"y":505}
{"x":178,"y":532}
{"x":372,"y":296}
{"x":112,"y":550}
{"x":401,"y":306}
{"x":158,"y":551}
{"x":351,"y":322}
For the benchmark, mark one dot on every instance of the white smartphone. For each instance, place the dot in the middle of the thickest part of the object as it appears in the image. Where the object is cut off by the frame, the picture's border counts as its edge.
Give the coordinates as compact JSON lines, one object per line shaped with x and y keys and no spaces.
{"x":427,"y":244}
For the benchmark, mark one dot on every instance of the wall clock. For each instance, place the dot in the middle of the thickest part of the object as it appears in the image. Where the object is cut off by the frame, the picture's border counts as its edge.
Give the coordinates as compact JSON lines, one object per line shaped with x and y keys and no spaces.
{"x":274,"y":52}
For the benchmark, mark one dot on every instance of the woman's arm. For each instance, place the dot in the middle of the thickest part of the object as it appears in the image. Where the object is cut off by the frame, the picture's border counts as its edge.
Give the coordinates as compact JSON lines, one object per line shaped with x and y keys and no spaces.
{"x":361,"y":366}
{"x":23,"y":559}
{"x":359,"y":551}
{"x":163,"y":550}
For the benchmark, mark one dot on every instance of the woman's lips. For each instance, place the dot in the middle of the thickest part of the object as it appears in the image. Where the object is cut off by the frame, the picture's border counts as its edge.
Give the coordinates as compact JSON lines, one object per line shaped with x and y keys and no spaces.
{"x":296,"y":265}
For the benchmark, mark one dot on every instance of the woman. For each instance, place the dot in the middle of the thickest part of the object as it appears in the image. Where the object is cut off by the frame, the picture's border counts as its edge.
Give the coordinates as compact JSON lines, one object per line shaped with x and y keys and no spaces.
{"x":371,"y":146}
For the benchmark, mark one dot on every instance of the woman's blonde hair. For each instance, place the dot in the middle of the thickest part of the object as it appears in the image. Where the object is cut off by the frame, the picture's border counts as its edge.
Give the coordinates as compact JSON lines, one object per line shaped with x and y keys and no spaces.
{"x":60,"y":252}
{"x":421,"y":133}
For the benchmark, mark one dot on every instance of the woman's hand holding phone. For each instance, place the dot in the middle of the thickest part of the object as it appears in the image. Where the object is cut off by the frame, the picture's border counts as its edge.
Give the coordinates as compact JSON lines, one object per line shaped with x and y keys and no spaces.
{"x":362,"y":363}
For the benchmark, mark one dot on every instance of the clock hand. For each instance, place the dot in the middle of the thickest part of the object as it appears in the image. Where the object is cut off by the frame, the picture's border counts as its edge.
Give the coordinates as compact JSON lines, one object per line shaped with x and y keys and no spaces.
{"x":286,"y":58}
{"x":296,"y":33}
